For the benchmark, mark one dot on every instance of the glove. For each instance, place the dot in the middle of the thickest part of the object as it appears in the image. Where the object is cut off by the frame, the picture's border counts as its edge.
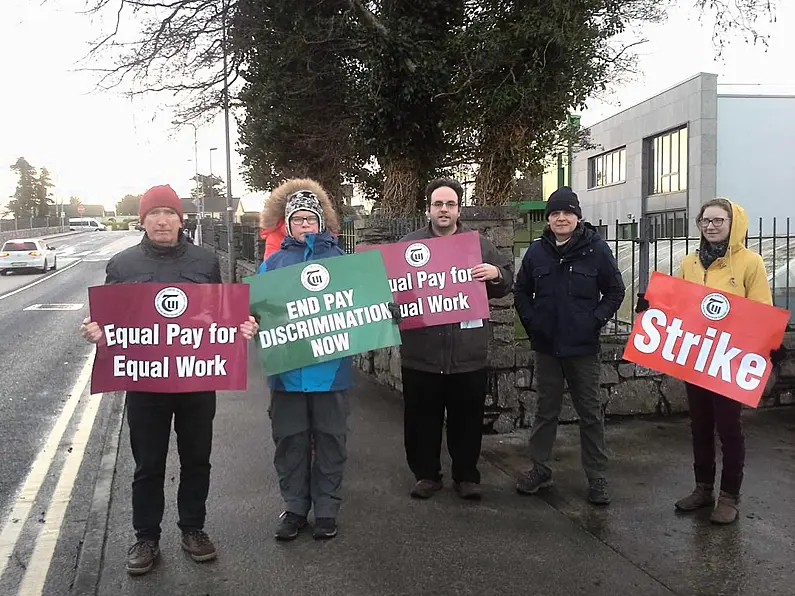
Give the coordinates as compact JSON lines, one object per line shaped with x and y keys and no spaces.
{"x":394,"y":308}
{"x":643,"y":304}
{"x":777,"y":355}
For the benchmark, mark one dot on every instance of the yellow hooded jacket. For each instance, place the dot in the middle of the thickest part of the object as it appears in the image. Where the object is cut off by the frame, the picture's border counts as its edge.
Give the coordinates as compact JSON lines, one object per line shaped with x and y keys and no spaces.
{"x":740,"y":271}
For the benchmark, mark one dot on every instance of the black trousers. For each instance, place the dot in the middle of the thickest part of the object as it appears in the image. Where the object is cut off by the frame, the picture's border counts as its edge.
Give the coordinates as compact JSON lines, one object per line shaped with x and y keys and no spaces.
{"x":710,"y":411}
{"x":149,"y":416}
{"x":426,"y":398}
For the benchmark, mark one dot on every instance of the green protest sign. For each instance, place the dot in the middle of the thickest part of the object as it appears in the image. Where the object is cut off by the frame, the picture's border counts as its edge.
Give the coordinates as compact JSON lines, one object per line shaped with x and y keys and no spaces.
{"x":322,"y":310}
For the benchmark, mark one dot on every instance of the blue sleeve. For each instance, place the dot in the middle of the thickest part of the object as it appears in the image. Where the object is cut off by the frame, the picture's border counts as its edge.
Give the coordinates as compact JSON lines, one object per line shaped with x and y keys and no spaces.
{"x":263,"y":267}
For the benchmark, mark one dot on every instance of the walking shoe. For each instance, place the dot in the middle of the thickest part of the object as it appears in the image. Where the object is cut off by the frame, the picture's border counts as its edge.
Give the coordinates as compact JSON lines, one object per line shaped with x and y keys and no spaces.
{"x":470,"y":491}
{"x":142,"y":556}
{"x":425,"y":489}
{"x":597,"y":492}
{"x":290,"y":525}
{"x":198,"y":545}
{"x":701,"y":496}
{"x":727,"y":511}
{"x":530,"y":482}
{"x":325,"y":528}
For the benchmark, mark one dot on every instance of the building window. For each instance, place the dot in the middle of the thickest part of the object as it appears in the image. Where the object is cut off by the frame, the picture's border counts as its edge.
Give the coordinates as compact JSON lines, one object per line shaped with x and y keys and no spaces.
{"x":668,"y":224}
{"x":669,"y":162}
{"x":608,"y":168}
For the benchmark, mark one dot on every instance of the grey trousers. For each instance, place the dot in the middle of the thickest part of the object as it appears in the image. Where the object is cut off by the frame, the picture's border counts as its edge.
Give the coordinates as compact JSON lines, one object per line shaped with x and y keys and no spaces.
{"x":582,"y":374}
{"x":299,"y":421}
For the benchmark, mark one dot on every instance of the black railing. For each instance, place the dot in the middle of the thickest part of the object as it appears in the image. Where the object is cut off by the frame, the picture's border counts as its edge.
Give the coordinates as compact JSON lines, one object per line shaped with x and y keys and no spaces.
{"x":246,"y":240}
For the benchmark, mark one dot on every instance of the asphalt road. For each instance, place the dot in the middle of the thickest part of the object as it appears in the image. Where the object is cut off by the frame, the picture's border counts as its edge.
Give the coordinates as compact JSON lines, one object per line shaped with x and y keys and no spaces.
{"x":42,"y":359}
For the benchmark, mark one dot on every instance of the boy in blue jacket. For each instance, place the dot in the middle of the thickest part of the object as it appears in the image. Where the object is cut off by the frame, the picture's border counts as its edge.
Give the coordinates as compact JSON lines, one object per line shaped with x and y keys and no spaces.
{"x":309,"y":406}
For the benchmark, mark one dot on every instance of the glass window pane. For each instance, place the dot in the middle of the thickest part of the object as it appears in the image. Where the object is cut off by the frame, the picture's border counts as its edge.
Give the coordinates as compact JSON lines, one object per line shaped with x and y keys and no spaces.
{"x":674,"y":182}
{"x":666,"y":154}
{"x":675,"y":152}
{"x":622,"y":165}
{"x":683,"y":159}
{"x":665,"y":185}
{"x":599,"y":181}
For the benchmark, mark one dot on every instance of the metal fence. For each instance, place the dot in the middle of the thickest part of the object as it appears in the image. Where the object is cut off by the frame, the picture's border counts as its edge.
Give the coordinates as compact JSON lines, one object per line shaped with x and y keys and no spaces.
{"x":29,"y":223}
{"x":665,"y":255}
{"x":247,"y":244}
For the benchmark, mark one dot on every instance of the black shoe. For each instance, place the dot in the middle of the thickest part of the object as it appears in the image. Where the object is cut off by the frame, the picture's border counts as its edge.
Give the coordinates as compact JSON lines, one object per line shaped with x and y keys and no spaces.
{"x":597,"y":492}
{"x":291,"y":523}
{"x":325,"y":528}
{"x":530,"y":482}
{"x":142,"y":556}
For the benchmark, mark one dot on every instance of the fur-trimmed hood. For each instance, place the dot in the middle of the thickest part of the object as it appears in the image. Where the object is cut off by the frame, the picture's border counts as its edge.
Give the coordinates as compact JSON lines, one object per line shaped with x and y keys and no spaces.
{"x":273,"y":210}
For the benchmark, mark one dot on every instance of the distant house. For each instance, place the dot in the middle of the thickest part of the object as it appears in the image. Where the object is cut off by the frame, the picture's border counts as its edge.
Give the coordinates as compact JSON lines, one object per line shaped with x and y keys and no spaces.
{"x":213,"y":208}
{"x":69,"y":210}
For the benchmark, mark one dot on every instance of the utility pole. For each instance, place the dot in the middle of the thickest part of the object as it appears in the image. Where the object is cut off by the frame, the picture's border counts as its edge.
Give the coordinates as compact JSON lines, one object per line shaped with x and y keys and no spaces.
{"x":230,"y":216}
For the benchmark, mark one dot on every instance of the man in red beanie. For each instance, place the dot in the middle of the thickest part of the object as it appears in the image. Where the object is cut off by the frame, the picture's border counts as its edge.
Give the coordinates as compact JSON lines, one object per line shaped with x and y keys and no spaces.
{"x":165,"y":256}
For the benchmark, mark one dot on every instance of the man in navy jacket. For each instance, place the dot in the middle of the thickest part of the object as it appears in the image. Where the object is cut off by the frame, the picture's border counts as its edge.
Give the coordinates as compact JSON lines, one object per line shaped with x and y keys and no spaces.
{"x":567,"y":289}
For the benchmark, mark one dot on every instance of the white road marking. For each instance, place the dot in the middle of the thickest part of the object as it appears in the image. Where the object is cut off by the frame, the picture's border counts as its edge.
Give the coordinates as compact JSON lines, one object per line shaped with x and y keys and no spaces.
{"x":38,"y":281}
{"x":54,"y":307}
{"x":38,"y":471}
{"x":39,"y":563}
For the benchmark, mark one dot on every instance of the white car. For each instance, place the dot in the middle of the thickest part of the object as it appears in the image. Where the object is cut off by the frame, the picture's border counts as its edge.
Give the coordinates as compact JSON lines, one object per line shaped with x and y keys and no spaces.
{"x":27,"y":253}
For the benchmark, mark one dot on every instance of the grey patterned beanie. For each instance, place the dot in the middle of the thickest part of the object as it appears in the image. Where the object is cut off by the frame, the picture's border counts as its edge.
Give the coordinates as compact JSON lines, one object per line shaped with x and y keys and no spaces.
{"x":303,"y":200}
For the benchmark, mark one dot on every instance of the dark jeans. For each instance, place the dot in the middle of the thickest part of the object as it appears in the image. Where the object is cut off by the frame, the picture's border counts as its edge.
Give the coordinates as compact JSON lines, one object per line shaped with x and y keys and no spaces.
{"x":426,"y":397}
{"x":149,"y":416}
{"x":707,"y":411}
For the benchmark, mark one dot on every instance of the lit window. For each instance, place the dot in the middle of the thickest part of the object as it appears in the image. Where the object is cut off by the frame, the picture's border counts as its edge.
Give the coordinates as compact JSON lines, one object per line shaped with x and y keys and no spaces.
{"x":668,"y":162}
{"x":608,"y":168}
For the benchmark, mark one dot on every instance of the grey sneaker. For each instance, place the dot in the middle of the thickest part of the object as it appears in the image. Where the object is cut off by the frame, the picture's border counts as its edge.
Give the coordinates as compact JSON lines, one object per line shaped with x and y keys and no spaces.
{"x":325,"y":528}
{"x":142,"y":556}
{"x":530,"y":482}
{"x":425,"y":489}
{"x":597,"y":492}
{"x":702,"y":496}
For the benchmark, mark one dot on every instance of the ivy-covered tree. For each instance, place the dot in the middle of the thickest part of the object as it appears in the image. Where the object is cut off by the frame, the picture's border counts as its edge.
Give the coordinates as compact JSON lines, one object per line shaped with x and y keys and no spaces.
{"x":23,"y":203}
{"x":43,"y":200}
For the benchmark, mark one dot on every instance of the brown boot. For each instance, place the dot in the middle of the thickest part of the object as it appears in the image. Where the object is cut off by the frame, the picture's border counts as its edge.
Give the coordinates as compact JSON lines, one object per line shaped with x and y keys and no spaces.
{"x":702,"y":496}
{"x":198,"y":545}
{"x":727,"y":511}
{"x":468,"y":490}
{"x":142,"y":556}
{"x":425,"y":489}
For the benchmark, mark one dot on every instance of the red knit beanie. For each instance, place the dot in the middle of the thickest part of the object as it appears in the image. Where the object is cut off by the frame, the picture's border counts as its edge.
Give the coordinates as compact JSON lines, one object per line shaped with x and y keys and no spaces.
{"x":160,"y":196}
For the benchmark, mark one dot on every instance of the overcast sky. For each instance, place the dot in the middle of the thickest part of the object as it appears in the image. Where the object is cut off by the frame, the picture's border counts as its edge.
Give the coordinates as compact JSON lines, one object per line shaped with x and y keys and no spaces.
{"x":101,"y":146}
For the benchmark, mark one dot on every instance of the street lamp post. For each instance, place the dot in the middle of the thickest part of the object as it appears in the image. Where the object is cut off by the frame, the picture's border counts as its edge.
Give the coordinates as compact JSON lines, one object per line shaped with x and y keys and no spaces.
{"x":230,"y":223}
{"x":204,"y":194}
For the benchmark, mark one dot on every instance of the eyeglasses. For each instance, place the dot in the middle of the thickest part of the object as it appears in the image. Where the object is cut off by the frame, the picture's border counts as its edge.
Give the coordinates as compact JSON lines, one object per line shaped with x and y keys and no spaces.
{"x":297,"y":220}
{"x":715,"y":221}
{"x":448,"y":204}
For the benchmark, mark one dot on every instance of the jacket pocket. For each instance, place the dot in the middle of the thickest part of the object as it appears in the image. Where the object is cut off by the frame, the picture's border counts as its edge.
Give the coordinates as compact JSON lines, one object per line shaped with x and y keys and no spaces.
{"x":191,"y":277}
{"x":542,"y":281}
{"x":583,"y":281}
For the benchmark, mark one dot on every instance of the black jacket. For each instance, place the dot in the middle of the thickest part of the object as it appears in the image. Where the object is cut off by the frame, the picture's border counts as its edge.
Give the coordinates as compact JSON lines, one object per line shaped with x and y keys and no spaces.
{"x":564,"y":296}
{"x":147,"y":262}
{"x":449,"y":349}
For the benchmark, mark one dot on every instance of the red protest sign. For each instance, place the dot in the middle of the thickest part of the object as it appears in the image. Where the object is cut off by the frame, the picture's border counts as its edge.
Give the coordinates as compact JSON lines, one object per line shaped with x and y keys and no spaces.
{"x":432,"y":281}
{"x":706,"y":337}
{"x":169,"y":338}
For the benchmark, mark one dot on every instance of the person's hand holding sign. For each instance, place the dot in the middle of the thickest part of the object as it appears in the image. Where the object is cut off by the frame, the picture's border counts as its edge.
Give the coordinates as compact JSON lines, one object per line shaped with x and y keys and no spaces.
{"x":249,"y":328}
{"x":485,"y":272}
{"x":90,"y":331}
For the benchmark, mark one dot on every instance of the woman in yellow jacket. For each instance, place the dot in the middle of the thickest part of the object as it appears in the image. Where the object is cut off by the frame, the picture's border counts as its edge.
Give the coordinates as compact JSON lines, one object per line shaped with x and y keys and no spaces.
{"x":724,"y":263}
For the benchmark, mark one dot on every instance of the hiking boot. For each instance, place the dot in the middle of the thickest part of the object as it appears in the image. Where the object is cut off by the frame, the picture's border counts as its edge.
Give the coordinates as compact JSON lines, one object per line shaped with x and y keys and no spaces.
{"x":727,"y":511}
{"x":425,"y":489}
{"x":290,"y":525}
{"x":325,"y":528}
{"x":597,"y":492}
{"x":700,"y":497}
{"x":198,"y":545}
{"x":530,"y":482}
{"x":470,"y":491}
{"x":142,"y":556}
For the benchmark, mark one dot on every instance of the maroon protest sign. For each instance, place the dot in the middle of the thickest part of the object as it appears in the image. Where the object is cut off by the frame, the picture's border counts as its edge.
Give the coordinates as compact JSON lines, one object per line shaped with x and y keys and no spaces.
{"x":432,"y":281}
{"x":169,"y":338}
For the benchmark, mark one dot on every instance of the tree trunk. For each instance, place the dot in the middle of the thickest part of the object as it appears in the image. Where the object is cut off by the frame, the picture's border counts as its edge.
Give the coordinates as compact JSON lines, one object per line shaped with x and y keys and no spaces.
{"x":496,"y":176}
{"x":404,"y":181}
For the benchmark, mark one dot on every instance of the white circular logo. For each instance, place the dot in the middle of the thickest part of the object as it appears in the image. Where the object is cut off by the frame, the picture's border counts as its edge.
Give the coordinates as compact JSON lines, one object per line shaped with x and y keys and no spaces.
{"x":418,"y":254}
{"x":315,"y":277}
{"x":171,"y":302}
{"x":715,"y":307}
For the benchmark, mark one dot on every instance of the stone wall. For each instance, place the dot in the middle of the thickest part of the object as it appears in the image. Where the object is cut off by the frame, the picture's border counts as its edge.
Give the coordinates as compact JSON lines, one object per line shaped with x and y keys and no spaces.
{"x":244,"y":268}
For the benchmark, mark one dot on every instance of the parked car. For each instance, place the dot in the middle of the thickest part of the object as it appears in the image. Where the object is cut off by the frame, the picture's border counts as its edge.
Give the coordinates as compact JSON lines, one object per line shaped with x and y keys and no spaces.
{"x":25,"y":254}
{"x":86,"y":223}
